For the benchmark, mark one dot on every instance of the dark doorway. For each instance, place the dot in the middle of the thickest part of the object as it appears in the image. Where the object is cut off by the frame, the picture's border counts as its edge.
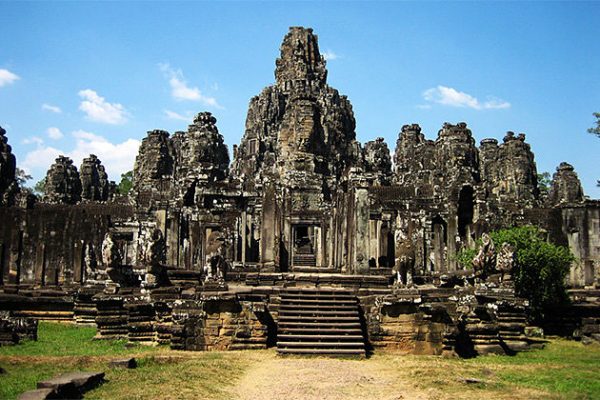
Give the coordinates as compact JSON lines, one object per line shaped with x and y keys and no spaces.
{"x":304,"y":246}
{"x":465,"y":211}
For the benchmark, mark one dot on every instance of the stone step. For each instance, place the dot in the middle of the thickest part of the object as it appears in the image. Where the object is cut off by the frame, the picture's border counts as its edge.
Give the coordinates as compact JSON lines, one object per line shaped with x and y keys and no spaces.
{"x":324,"y":338}
{"x":319,"y":321}
{"x":321,"y":331}
{"x":317,"y":306}
{"x":304,"y":262}
{"x":319,"y":313}
{"x":292,"y":290}
{"x":326,"y":319}
{"x":331,"y":352}
{"x":317,"y":296}
{"x":304,"y":344}
{"x":337,"y":325}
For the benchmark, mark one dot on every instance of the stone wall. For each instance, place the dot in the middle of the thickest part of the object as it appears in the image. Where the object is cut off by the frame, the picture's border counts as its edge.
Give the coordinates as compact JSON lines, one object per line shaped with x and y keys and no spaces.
{"x":8,"y":163}
{"x":465,"y":321}
{"x":217,"y":324}
{"x":14,"y":330}
{"x":301,"y":195}
{"x":47,"y":245}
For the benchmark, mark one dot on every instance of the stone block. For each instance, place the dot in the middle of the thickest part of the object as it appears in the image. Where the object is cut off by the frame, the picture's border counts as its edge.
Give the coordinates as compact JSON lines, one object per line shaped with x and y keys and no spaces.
{"x":73,"y":382}
{"x":128,"y":363}
{"x":40,"y":394}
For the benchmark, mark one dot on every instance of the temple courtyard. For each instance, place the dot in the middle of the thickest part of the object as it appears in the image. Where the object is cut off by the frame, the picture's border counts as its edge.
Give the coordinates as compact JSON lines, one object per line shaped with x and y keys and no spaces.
{"x":562,"y":370}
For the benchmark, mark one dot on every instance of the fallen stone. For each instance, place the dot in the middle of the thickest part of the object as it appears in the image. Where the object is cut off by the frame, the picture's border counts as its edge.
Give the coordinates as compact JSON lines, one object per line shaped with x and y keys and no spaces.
{"x":472,"y":381}
{"x":586,"y":340}
{"x":596,"y":337}
{"x":39,"y":394}
{"x":73,"y":384}
{"x":534,"y":331}
{"x":128,"y":363}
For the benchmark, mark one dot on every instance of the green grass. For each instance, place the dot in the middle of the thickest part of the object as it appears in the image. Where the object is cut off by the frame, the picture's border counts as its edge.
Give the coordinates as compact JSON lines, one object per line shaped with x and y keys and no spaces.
{"x":563,"y":370}
{"x":566,"y":368}
{"x":60,"y":348}
{"x":22,"y":376}
{"x":206,"y":376}
{"x":56,"y":339}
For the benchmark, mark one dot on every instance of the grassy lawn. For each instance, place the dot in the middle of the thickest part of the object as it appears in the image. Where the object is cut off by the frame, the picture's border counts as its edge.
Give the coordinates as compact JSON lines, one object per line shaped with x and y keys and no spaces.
{"x":563,"y":370}
{"x":566,"y":368}
{"x":161,"y":372}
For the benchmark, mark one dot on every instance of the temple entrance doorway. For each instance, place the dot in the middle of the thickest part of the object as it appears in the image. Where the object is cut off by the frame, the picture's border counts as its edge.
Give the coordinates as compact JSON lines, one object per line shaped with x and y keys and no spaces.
{"x":304,"y":246}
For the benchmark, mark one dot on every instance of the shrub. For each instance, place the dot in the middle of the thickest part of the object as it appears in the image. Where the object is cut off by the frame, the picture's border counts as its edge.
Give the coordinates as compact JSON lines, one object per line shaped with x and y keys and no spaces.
{"x":540,"y":267}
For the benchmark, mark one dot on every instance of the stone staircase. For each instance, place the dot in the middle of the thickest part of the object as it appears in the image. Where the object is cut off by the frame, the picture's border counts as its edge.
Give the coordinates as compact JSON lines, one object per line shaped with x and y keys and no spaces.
{"x":319,"y":322}
{"x":305,"y":260}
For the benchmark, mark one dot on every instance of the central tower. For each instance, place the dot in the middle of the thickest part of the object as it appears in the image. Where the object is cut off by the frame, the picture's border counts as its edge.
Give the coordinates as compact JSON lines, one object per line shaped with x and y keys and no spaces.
{"x":298,"y":146}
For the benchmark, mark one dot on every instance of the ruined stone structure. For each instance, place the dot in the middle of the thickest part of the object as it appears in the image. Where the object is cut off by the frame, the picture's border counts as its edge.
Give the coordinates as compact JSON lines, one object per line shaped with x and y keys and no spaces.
{"x":94,"y":180}
{"x":63,"y":185}
{"x":205,"y":253}
{"x":8,"y":164}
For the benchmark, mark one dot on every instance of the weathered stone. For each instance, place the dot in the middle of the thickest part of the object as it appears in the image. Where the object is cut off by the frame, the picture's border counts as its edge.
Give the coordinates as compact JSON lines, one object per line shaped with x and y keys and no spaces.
{"x":378,"y":161}
{"x":73,"y":384}
{"x":94,"y":180}
{"x":41,"y":394}
{"x":63,"y":184}
{"x":128,"y":363}
{"x":14,"y":330}
{"x":302,"y":204}
{"x":153,"y":167}
{"x":566,"y":187}
{"x":8,"y":163}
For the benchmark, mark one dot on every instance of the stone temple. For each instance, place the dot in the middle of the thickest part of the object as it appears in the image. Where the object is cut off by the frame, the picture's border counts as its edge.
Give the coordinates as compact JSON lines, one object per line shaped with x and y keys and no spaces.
{"x":306,"y":239}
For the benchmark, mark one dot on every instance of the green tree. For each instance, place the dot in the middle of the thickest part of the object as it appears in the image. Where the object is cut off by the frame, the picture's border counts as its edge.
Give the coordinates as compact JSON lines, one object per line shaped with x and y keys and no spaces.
{"x":595,"y":130}
{"x":544,"y":182}
{"x":540,"y":267}
{"x":126,"y":183}
{"x":40,"y":187}
{"x":21,"y":176}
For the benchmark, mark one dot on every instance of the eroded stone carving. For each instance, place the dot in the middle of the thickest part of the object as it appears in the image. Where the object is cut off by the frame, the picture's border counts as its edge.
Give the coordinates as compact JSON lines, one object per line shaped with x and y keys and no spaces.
{"x":505,"y":261}
{"x":8,"y":183}
{"x":94,"y":180}
{"x":63,"y":185}
{"x":566,"y":187}
{"x":485,"y":260}
{"x":154,"y":257}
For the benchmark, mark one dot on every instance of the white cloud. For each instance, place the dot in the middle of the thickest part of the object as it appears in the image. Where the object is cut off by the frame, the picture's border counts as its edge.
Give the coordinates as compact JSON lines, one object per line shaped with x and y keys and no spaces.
{"x":7,"y":77}
{"x":83,"y":135}
{"x":330,"y":55}
{"x":180,"y":89}
{"x":423,"y":106}
{"x":33,"y":140}
{"x":117,"y":158}
{"x":493,"y":102}
{"x":40,"y":160}
{"x":99,"y":110}
{"x":176,"y":116}
{"x":451,"y":97}
{"x":54,"y":133}
{"x":51,"y":108}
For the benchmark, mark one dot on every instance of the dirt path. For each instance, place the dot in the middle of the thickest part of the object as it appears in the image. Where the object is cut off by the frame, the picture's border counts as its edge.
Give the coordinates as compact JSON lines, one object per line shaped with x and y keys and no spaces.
{"x":321,"y":378}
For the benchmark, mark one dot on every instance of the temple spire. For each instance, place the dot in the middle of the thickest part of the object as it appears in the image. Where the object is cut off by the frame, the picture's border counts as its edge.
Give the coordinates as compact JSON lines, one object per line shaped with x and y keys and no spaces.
{"x":300,"y":60}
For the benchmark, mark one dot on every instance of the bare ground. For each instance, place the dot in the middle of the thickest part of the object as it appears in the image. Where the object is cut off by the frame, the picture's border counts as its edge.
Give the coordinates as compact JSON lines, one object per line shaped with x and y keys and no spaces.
{"x":378,"y":378}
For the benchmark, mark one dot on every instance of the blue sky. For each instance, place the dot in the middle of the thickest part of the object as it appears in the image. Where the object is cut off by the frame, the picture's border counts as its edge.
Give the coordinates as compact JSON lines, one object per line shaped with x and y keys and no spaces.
{"x":87,"y":77}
